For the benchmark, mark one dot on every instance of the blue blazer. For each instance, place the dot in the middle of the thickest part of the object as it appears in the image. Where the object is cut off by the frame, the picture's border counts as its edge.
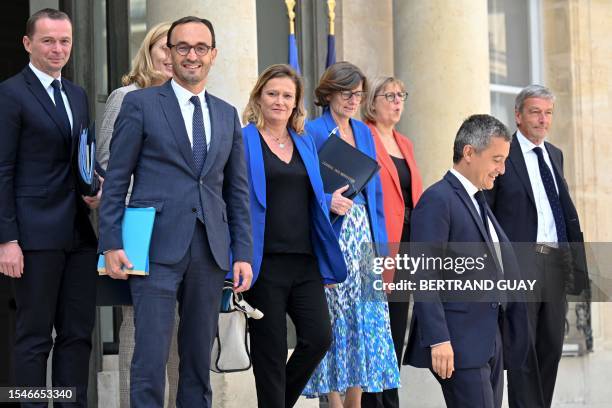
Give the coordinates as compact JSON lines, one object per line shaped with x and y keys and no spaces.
{"x":445,"y":214}
{"x":320,"y":129}
{"x":150,"y":141}
{"x":324,"y":243}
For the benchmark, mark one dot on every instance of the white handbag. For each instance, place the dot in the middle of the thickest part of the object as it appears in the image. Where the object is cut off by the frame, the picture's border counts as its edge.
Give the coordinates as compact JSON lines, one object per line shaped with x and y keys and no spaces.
{"x":230,"y":351}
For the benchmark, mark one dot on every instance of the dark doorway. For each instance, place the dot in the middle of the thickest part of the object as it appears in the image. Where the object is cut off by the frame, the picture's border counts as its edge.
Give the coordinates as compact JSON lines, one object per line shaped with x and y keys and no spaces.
{"x":12,"y":28}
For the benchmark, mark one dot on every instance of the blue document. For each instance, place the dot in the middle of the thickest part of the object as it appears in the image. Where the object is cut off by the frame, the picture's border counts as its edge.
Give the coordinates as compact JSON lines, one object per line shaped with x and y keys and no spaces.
{"x":137,"y":229}
{"x":84,"y":162}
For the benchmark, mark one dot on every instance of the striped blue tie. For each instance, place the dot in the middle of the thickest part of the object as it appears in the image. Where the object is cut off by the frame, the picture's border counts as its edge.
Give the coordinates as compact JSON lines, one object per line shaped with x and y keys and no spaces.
{"x":199,"y":135}
{"x":553,"y":196}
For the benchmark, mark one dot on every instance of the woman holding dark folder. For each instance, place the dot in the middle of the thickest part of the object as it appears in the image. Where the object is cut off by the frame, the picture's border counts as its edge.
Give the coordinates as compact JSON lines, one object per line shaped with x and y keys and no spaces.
{"x":402,"y":187}
{"x":295,"y":250}
{"x":361,"y":357}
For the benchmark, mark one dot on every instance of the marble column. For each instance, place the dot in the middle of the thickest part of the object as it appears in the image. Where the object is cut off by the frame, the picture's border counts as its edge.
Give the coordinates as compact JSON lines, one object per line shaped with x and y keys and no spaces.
{"x":442,"y":54}
{"x":235,"y":70}
{"x":365,"y":35}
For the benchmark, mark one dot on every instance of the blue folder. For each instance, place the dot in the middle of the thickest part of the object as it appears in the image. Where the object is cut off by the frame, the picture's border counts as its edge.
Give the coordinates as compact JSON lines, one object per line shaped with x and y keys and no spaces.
{"x":137,"y":229}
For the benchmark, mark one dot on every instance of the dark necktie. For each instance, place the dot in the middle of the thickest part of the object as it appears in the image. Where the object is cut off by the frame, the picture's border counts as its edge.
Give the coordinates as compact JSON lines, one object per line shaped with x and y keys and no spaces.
{"x":482,"y":205}
{"x":199,"y":135}
{"x":59,"y":104}
{"x":553,"y":196}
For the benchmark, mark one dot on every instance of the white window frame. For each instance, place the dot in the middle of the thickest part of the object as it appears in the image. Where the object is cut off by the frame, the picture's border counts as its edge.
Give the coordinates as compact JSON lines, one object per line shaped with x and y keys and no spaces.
{"x":534,"y":8}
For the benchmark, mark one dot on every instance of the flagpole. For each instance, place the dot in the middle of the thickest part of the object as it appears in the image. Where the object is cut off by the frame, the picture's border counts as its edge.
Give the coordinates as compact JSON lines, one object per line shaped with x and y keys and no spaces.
{"x":293,"y":51}
{"x":331,"y":13}
{"x":331,"y":37}
{"x":290,"y":11}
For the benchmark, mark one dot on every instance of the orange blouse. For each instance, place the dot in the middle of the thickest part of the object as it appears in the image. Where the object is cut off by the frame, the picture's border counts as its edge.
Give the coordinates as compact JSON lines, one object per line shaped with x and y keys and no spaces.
{"x":393,"y":201}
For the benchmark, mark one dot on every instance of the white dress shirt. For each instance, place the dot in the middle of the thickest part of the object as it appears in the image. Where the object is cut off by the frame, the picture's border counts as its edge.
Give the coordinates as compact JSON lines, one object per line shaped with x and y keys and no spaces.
{"x":471,"y":189}
{"x":183,"y":96}
{"x":547,"y":230}
{"x":46,"y":80}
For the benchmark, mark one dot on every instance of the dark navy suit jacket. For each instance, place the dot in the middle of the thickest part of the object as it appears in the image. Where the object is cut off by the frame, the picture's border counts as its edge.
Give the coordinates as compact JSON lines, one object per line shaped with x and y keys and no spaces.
{"x":512,"y":202}
{"x":150,"y":141}
{"x":38,"y":200}
{"x":320,"y":129}
{"x":325,"y":245}
{"x":446,"y":214}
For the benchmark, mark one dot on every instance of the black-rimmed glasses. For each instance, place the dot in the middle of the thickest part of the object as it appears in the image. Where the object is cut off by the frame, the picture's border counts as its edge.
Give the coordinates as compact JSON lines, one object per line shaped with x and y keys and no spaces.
{"x":390,"y":96}
{"x":184,"y":49}
{"x":346,"y":95}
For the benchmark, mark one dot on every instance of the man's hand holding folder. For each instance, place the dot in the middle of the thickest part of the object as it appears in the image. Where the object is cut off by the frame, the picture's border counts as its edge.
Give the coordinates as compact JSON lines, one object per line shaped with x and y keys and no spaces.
{"x":116,"y":260}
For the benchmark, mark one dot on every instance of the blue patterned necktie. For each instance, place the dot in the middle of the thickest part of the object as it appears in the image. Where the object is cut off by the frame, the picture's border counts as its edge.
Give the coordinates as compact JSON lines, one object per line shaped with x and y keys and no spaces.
{"x":59,"y":104}
{"x":199,"y":135}
{"x":553,"y":196}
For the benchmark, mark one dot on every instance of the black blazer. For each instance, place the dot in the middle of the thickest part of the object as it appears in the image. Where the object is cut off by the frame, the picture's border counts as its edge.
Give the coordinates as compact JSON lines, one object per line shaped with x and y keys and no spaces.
{"x":513,"y":203}
{"x":38,"y":201}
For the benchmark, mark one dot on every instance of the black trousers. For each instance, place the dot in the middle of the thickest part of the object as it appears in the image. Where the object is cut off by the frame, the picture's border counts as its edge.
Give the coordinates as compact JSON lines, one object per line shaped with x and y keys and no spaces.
{"x":57,"y":290}
{"x":287,"y":284}
{"x":533,"y":385}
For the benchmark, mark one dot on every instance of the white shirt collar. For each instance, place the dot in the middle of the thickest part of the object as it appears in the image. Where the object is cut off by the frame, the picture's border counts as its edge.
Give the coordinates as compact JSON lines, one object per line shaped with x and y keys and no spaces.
{"x":526,"y":144}
{"x":467,"y":184}
{"x":44,"y":78}
{"x":183,"y":95}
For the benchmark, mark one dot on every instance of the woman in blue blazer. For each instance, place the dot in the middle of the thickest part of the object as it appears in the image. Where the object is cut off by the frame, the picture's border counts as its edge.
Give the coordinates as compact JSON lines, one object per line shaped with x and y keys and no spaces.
{"x":295,"y":250}
{"x":362,"y":355}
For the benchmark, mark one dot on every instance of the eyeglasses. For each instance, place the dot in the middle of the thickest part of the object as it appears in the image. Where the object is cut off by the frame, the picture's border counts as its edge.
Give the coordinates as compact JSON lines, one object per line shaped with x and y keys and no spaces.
{"x":346,"y":95}
{"x":390,"y":96}
{"x":184,"y":49}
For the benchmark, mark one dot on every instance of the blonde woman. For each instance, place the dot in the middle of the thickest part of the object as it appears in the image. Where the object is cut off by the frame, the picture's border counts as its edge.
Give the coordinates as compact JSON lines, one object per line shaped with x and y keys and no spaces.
{"x":295,"y":251}
{"x":402,"y":186}
{"x":151,"y":67}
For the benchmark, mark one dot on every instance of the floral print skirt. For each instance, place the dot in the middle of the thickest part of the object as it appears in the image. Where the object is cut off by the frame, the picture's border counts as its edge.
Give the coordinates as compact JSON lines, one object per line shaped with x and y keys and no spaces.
{"x":362,"y":353}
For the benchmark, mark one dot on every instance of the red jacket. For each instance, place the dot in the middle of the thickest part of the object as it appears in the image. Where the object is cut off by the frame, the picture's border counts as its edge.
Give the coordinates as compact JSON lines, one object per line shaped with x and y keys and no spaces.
{"x":393,"y":201}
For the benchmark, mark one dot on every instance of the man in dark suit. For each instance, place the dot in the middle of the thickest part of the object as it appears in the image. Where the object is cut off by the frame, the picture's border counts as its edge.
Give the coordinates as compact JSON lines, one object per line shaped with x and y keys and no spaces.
{"x":533,"y":205}
{"x":47,"y":243}
{"x":461,"y":340}
{"x":184,"y":147}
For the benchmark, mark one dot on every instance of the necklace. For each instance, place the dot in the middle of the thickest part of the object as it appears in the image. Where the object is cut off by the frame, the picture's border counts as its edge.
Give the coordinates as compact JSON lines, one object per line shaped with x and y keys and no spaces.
{"x":280,"y":141}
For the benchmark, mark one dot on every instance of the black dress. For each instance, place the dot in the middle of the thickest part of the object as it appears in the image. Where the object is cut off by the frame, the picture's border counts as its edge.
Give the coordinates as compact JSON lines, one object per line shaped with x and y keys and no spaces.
{"x":405,"y":179}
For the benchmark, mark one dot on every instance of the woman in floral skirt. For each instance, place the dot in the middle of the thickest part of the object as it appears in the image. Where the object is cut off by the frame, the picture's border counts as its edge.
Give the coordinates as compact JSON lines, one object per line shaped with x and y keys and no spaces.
{"x":362,"y":356}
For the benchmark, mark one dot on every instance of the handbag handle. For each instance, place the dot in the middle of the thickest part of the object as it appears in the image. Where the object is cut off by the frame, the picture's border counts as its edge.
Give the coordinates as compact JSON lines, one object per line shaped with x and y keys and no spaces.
{"x":231,"y":301}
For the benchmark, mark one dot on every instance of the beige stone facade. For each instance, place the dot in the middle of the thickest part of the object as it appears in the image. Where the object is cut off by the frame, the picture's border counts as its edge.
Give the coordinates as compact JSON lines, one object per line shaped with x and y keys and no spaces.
{"x":578,"y":69}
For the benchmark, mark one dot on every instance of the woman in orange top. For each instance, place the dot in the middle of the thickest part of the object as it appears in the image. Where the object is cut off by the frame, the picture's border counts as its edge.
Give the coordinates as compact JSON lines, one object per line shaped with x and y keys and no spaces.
{"x":402,"y":186}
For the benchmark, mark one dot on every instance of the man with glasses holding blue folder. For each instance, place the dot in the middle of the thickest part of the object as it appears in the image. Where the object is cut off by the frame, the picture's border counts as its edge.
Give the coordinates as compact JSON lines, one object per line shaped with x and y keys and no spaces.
{"x":184,"y":148}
